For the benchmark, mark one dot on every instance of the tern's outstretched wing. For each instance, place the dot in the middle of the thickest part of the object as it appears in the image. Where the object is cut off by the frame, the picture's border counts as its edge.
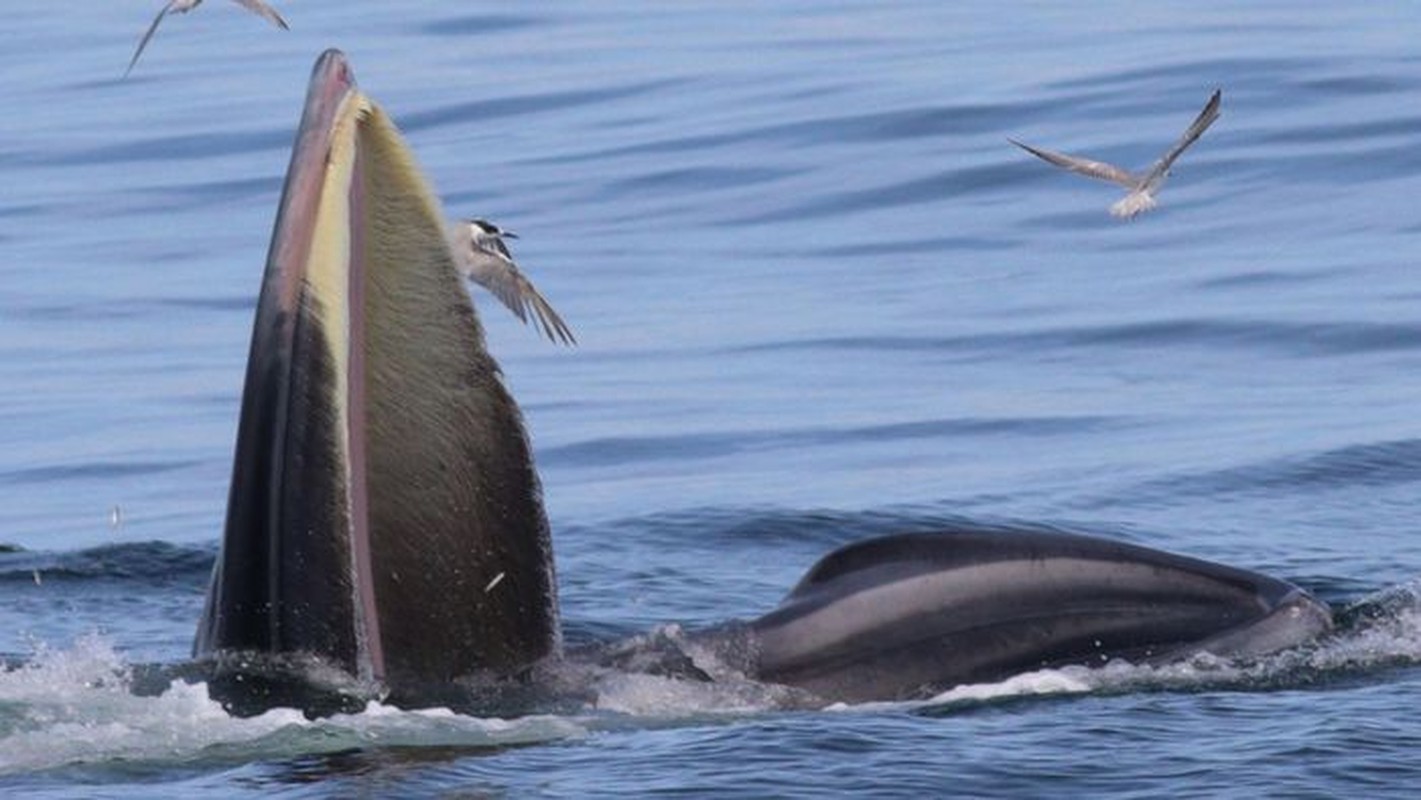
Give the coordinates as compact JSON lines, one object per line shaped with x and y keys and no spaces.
{"x":508,"y":283}
{"x":265,"y":11}
{"x":148,"y":34}
{"x":1083,"y":166}
{"x":1196,"y":129}
{"x":257,"y":7}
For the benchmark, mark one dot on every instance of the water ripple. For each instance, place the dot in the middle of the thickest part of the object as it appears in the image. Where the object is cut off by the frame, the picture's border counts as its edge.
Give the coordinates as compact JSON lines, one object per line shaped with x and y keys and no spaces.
{"x":467,"y":25}
{"x":1290,"y":338}
{"x":92,"y":471}
{"x":910,"y":191}
{"x":1372,"y":465}
{"x":141,"y":562}
{"x":526,"y":104}
{"x":200,"y":147}
{"x":681,"y":447}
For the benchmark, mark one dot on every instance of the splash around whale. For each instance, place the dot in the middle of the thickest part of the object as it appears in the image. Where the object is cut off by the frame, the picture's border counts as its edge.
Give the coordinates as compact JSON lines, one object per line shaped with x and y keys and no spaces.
{"x":386,"y":538}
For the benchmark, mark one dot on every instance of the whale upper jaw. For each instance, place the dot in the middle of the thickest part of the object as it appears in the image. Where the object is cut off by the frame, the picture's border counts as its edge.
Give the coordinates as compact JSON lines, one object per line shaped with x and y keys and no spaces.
{"x":1291,"y":621}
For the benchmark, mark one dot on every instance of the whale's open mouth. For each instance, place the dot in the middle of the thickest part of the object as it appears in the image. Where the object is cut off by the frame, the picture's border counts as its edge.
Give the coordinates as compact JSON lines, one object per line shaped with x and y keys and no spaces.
{"x":384,"y":514}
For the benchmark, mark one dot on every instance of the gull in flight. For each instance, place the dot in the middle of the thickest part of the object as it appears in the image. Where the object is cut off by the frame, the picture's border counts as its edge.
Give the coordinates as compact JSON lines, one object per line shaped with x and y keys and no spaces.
{"x":1142,"y":185}
{"x":183,"y":6}
{"x":482,"y":256}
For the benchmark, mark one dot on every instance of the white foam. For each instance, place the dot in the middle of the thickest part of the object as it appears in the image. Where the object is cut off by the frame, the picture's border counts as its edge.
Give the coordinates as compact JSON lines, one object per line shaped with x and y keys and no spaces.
{"x":1069,"y":680}
{"x":1393,"y":634}
{"x":75,"y":706}
{"x":653,"y":696}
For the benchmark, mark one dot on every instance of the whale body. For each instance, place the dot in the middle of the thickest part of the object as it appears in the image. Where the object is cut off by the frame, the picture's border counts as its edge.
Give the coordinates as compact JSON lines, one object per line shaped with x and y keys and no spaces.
{"x":907,"y":616}
{"x":385,"y":522}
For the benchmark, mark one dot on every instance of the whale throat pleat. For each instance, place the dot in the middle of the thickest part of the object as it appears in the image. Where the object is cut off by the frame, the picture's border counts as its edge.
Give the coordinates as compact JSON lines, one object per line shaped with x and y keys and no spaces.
{"x":457,"y":500}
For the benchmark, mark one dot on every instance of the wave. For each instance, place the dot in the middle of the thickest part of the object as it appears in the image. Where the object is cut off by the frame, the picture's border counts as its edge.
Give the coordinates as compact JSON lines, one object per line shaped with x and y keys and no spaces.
{"x":148,"y":563}
{"x":1370,"y":465}
{"x":631,"y":449}
{"x":1298,"y":339}
{"x":91,"y":471}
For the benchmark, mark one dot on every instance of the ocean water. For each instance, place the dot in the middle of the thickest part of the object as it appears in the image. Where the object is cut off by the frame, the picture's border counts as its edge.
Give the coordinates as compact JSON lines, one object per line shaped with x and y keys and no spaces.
{"x":818,"y":296}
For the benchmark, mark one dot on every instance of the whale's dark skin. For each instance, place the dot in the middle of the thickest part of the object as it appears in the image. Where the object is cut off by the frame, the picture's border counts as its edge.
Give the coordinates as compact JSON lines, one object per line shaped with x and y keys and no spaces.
{"x":907,"y":616}
{"x":386,"y":536}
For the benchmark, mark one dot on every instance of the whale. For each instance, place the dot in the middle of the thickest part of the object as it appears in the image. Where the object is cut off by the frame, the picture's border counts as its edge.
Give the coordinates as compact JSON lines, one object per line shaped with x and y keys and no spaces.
{"x":386,"y":536}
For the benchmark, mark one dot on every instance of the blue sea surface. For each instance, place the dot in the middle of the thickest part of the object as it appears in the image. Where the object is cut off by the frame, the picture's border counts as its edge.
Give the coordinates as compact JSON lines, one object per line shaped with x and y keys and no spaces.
{"x":818,"y":296}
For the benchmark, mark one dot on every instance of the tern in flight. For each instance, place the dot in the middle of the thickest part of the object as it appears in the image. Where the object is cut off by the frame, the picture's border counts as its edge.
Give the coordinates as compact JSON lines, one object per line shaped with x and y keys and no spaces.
{"x":1142,"y":185}
{"x":183,"y":6}
{"x":483,"y":257}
